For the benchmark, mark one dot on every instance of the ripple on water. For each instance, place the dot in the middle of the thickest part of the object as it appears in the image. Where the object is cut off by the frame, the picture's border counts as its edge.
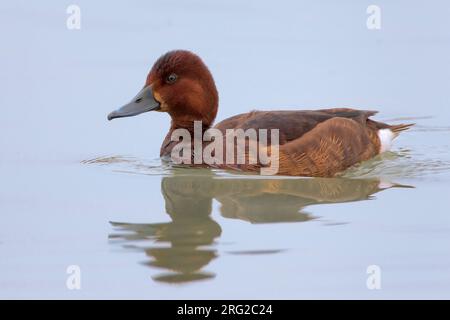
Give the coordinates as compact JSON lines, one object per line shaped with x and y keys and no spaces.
{"x":402,"y":163}
{"x":414,"y":162}
{"x":132,"y":165}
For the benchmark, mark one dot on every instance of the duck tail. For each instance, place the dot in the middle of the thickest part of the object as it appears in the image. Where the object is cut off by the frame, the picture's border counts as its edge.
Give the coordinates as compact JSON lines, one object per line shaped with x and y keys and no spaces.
{"x":387,"y":134}
{"x":398,"y":128}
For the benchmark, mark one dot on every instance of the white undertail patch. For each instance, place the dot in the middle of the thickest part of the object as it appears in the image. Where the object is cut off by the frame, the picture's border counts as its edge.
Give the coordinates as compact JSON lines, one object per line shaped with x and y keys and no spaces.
{"x":386,"y":137}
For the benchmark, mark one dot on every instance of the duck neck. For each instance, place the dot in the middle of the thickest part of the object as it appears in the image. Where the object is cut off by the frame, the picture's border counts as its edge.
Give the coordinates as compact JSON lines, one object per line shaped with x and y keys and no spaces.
{"x":188,"y":125}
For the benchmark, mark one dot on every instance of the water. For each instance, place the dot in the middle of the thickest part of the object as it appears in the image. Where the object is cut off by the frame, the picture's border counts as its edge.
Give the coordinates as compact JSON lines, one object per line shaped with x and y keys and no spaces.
{"x":78,"y":190}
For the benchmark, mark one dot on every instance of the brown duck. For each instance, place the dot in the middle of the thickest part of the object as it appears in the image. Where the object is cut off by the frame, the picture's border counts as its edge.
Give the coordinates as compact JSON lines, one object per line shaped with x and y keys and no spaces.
{"x":311,"y":142}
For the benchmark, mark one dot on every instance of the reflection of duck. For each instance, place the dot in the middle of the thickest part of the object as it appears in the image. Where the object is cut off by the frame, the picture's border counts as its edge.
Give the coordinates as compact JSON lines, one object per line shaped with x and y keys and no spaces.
{"x":262,"y":201}
{"x":312,"y":143}
{"x":188,"y":197}
{"x":190,"y":229}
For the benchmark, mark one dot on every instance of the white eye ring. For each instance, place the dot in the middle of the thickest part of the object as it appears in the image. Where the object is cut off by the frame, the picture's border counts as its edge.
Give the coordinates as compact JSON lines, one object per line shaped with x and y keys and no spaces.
{"x":171,"y":78}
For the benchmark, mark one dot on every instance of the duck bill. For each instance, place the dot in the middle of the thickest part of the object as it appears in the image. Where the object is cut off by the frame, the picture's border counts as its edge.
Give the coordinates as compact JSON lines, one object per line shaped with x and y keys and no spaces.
{"x":144,"y":101}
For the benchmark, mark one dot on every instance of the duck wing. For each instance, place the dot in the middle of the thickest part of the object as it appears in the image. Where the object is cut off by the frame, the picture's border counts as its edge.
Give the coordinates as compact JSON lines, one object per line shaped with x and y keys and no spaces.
{"x":291,"y":124}
{"x":331,"y":147}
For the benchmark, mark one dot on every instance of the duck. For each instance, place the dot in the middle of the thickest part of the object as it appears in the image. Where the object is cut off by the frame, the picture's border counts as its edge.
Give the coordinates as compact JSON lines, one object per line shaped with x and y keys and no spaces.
{"x":311,"y":143}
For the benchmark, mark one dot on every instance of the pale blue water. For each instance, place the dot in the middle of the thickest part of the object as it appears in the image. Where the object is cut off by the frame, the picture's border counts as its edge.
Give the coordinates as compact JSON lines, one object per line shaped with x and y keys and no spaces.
{"x":79,"y":190}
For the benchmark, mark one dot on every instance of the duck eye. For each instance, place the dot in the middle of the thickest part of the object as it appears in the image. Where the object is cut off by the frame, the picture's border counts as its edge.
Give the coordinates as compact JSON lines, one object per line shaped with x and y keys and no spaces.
{"x":171,"y":78}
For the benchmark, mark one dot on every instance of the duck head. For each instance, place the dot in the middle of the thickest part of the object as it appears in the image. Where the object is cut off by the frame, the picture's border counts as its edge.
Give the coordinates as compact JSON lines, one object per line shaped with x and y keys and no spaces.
{"x":180,"y":84}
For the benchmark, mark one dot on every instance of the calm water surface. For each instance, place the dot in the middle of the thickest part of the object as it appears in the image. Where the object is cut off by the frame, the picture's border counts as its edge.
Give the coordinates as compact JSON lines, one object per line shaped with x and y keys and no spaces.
{"x":78,"y":190}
